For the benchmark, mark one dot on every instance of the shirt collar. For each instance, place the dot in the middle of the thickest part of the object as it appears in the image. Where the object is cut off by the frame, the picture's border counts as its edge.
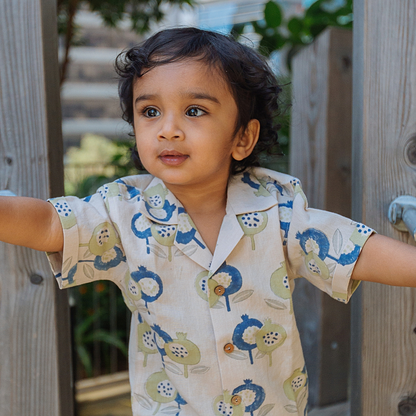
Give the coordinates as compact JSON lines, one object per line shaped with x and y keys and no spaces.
{"x":159,"y":204}
{"x":247,"y":192}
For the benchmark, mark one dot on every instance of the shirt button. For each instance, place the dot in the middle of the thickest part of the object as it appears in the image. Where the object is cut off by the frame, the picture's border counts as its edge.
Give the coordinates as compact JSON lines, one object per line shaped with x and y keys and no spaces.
{"x":236,"y":400}
{"x":229,"y":348}
{"x":219,"y":290}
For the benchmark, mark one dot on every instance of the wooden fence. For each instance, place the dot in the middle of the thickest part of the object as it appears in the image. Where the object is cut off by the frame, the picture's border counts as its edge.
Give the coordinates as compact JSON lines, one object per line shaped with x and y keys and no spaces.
{"x":320,"y":155}
{"x":384,"y":134}
{"x":35,"y":367}
{"x":383,"y":325}
{"x":35,"y":374}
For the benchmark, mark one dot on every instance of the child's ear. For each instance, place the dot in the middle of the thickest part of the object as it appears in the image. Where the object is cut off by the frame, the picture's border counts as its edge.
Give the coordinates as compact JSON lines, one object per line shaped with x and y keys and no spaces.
{"x":246,"y":140}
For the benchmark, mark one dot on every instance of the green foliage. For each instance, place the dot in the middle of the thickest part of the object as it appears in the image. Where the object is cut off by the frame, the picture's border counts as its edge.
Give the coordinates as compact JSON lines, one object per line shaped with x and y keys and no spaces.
{"x":140,"y":13}
{"x":92,"y":326}
{"x":277,"y":32}
{"x":97,"y":161}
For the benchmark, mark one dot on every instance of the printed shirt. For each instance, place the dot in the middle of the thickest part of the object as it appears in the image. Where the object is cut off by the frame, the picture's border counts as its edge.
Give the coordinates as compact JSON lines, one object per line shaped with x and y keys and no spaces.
{"x":210,"y":334}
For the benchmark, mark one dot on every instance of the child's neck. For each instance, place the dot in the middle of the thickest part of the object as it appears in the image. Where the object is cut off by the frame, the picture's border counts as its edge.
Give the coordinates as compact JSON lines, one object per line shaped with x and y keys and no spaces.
{"x":206,"y":207}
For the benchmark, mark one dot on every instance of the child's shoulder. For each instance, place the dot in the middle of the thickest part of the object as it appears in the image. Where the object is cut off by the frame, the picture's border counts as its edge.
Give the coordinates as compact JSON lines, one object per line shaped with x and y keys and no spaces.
{"x":138,"y":181}
{"x":128,"y":187}
{"x":269,"y":182}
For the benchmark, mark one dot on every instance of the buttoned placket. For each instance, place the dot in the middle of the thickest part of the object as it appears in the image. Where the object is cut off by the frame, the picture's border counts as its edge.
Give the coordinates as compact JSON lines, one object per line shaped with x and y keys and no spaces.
{"x":229,"y":236}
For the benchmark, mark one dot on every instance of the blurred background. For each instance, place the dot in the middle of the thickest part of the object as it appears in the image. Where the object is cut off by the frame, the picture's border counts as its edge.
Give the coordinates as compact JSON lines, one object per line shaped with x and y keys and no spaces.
{"x":97,"y":141}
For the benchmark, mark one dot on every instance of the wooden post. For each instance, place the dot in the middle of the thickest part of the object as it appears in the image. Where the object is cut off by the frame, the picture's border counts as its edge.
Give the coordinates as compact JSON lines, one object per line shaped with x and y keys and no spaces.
{"x":320,"y":156}
{"x":35,"y":366}
{"x":384,"y":167}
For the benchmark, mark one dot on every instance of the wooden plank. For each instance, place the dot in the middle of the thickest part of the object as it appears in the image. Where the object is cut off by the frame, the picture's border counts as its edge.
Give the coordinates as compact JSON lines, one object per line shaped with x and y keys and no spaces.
{"x":321,"y":157}
{"x":35,"y":373}
{"x":103,"y":387}
{"x":104,"y":395}
{"x":342,"y":409}
{"x":384,"y":124}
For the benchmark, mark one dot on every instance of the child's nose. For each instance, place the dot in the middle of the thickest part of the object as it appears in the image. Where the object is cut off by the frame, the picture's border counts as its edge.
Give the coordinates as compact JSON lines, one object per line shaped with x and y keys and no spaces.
{"x":170,"y":129}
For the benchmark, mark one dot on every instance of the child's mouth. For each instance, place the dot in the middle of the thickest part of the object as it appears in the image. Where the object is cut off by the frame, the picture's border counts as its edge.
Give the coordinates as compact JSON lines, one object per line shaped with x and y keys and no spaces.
{"x":172,"y":157}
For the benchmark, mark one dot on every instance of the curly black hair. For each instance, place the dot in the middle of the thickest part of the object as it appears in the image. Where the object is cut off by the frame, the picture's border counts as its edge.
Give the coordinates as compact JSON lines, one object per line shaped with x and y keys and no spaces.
{"x":251,"y":80}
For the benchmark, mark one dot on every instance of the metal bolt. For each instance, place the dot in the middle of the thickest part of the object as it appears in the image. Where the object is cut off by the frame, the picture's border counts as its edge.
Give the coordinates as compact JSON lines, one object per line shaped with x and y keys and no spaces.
{"x":36,"y":279}
{"x":407,"y":406}
{"x":396,"y":213}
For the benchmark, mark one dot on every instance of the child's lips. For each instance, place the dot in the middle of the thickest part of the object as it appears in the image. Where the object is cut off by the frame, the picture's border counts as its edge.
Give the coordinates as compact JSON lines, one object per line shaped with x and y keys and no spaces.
{"x":172,"y":157}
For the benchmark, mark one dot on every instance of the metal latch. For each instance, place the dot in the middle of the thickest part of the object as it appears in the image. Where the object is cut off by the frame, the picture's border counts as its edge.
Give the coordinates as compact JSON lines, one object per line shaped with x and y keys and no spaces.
{"x":6,"y":192}
{"x":402,"y":214}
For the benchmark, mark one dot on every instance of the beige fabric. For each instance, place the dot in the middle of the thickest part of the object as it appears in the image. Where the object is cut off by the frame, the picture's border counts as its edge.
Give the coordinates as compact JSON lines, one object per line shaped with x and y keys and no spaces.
{"x":211,"y":335}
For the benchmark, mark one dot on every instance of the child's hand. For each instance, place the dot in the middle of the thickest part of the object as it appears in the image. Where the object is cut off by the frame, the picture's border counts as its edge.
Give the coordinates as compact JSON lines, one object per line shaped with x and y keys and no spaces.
{"x":388,"y":261}
{"x":31,"y":223}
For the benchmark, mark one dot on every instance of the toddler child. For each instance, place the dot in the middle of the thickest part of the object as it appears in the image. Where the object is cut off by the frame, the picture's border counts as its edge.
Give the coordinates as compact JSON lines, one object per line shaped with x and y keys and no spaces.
{"x":205,"y":249}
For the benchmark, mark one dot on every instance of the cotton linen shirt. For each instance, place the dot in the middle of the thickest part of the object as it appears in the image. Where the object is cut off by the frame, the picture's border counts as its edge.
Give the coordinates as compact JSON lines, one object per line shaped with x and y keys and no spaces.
{"x":210,"y":334}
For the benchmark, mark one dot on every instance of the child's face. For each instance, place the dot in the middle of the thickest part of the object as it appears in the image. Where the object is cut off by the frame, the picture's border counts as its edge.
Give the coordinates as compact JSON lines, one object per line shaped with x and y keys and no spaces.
{"x":184,"y":122}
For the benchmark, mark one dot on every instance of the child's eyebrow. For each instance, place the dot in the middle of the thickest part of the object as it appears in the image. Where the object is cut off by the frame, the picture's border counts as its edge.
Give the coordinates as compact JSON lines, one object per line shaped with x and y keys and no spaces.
{"x":144,"y":97}
{"x":192,"y":95}
{"x":201,"y":96}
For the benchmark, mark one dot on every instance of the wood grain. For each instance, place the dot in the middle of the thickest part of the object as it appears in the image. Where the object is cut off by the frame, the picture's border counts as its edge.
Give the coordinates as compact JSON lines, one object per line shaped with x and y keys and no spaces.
{"x":384,"y":121}
{"x":321,"y":157}
{"x":34,"y":327}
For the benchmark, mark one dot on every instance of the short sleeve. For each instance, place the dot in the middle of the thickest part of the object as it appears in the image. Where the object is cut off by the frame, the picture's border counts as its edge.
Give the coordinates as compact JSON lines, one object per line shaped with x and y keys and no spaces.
{"x":92,"y":246}
{"x":323,"y":247}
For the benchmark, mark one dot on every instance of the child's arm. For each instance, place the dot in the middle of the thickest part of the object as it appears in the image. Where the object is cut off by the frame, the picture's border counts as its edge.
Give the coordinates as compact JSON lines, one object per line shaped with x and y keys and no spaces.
{"x":31,"y":223}
{"x":388,"y":261}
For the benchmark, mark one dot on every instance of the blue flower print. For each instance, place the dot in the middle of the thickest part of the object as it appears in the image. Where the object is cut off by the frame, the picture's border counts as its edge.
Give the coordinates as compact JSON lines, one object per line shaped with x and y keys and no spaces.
{"x":161,"y":214}
{"x":358,"y":238}
{"x":315,"y":245}
{"x":161,"y":390}
{"x":164,"y":235}
{"x":71,"y":274}
{"x":110,"y":258}
{"x":104,"y":245}
{"x":230,"y":279}
{"x":145,"y":339}
{"x":251,"y":394}
{"x":260,"y":190}
{"x":156,"y":204}
{"x":160,"y":338}
{"x":131,"y":190}
{"x":296,"y":386}
{"x":140,"y":226}
{"x":314,"y":240}
{"x":227,"y":404}
{"x":186,"y":229}
{"x":244,"y":335}
{"x":253,"y":223}
{"x":150,"y":284}
{"x":66,"y":215}
{"x":285,"y":216}
{"x":225,"y":281}
{"x":271,"y":185}
{"x":108,"y":190}
{"x":297,"y":188}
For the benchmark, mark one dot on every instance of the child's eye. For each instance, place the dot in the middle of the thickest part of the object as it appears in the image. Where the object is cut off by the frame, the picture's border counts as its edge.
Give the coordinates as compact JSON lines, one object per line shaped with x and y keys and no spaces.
{"x":195,"y":112}
{"x":151,"y":112}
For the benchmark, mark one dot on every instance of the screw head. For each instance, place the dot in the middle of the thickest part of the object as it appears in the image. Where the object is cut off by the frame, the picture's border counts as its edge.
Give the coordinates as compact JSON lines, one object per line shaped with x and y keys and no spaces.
{"x":36,"y":279}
